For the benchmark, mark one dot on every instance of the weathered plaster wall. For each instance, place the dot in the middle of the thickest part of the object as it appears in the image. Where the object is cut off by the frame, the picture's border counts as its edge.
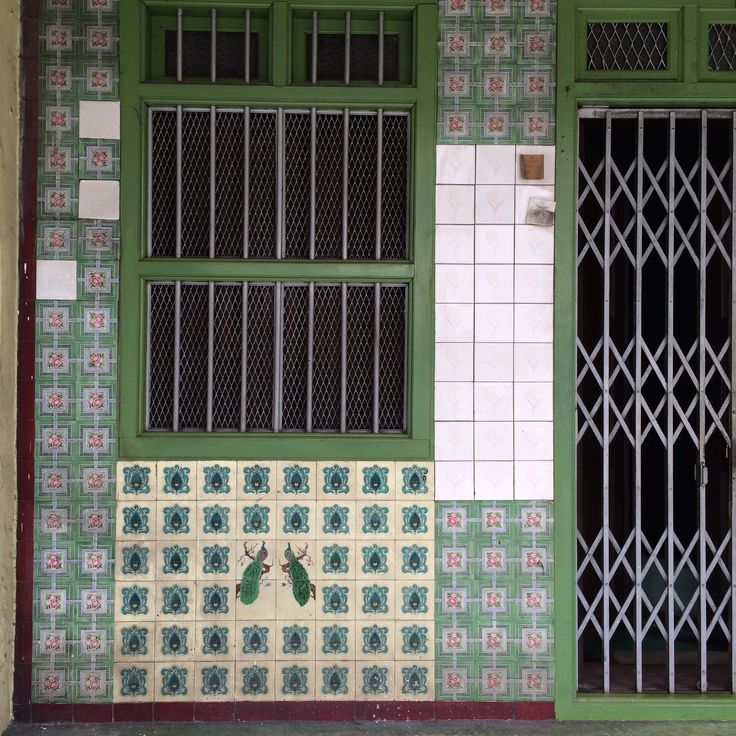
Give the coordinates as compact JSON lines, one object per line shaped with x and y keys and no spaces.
{"x":9,"y":174}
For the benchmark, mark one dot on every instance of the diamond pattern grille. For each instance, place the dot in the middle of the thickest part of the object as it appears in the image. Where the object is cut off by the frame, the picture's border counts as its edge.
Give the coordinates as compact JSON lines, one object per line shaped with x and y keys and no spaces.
{"x":195,"y":184}
{"x":329,"y":185}
{"x":259,"y":357}
{"x":229,"y":184}
{"x":392,"y":358}
{"x":163,"y":183}
{"x":194,"y":350}
{"x":722,"y":47}
{"x":362,"y":181}
{"x":227,"y":354}
{"x":360,"y":339}
{"x":654,"y":530}
{"x":262,"y":186}
{"x":627,"y":47}
{"x":161,"y":353}
{"x":326,"y":397}
{"x":295,"y":346}
{"x":394,"y":190}
{"x":297,"y":187}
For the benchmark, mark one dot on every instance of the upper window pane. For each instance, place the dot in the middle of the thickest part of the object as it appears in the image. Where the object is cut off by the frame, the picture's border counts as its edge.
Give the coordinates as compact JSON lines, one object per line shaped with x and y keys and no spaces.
{"x":197,"y":54}
{"x":722,"y":47}
{"x":615,"y":46}
{"x":363,"y":57}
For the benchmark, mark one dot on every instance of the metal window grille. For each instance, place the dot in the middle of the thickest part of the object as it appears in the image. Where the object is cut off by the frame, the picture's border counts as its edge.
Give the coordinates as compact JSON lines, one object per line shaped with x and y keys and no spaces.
{"x":298,"y":184}
{"x":290,"y":357}
{"x":655,"y":377}
{"x":722,"y":47}
{"x":618,"y":46}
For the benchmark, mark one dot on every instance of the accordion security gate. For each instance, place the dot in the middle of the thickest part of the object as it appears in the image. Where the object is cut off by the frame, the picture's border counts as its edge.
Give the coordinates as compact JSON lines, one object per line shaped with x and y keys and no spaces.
{"x":655,"y":527}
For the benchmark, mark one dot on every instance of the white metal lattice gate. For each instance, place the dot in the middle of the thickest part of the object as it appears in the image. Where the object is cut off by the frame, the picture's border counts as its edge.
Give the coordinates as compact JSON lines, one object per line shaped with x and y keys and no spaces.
{"x":655,"y":305}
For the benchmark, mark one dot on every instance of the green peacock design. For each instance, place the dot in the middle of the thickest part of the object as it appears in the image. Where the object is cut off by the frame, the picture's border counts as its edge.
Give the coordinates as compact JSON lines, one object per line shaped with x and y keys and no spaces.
{"x":250,"y":584}
{"x":298,"y":575}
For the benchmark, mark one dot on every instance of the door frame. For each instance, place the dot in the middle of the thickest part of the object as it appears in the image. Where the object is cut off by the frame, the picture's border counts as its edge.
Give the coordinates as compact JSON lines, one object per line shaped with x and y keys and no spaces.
{"x":690,"y":87}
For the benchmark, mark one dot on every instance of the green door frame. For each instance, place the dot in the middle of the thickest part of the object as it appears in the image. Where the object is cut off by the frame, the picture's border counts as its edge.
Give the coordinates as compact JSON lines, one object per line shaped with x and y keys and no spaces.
{"x":686,"y":84}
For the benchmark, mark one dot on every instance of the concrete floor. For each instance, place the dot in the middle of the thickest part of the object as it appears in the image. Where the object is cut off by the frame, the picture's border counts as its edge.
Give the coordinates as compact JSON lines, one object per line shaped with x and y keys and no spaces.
{"x":385,"y":728}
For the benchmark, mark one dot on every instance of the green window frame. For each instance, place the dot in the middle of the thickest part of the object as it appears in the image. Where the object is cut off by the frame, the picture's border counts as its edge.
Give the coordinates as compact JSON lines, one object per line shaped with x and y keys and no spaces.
{"x":143,"y":87}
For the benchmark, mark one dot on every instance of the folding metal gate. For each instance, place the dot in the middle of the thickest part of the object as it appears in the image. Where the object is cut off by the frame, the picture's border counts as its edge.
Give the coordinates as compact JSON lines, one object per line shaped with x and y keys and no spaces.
{"x":655,"y":305}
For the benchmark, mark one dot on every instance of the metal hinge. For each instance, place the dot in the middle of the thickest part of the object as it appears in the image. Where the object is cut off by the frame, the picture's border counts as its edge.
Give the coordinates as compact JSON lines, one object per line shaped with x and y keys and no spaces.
{"x":701,"y":474}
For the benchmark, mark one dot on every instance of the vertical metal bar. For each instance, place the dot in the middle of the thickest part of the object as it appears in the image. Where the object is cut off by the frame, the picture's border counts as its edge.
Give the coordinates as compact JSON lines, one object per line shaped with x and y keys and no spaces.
{"x":344,"y":358}
{"x":315,"y":41}
{"x":638,"y":399}
{"x":210,"y":351}
{"x":244,"y":363}
{"x":179,"y":123}
{"x":148,"y":355}
{"x":376,"y":356}
{"x":347,"y":46}
{"x":280,"y":183}
{"x":277,"y":353}
{"x":670,"y":412}
{"x":177,"y":348}
{"x":179,"y":44}
{"x":379,"y":180}
{"x":733,"y":405}
{"x":149,"y":193}
{"x":247,"y":46}
{"x":213,"y":45}
{"x":606,"y":411}
{"x":246,"y":181}
{"x":213,"y":163}
{"x":381,"y":38}
{"x":312,"y":183}
{"x":702,"y":337}
{"x":345,"y":178}
{"x":310,"y":355}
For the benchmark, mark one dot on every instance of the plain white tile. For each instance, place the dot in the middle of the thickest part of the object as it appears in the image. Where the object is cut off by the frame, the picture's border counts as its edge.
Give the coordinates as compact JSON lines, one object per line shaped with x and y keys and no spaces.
{"x":99,"y":199}
{"x":533,"y":401}
{"x":494,"y":441}
{"x":454,"y":204}
{"x":534,"y":283}
{"x":533,"y":322}
{"x":454,"y":283}
{"x":99,"y":119}
{"x":534,"y":244}
{"x":495,"y":165}
{"x":533,"y":480}
{"x":494,"y":362}
{"x":494,"y":402}
{"x":454,"y":244}
{"x":453,"y":481}
{"x":524,"y":194}
{"x":494,"y":284}
{"x":456,"y":164}
{"x":533,"y":361}
{"x":549,"y":164}
{"x":453,"y":361}
{"x":453,"y":323}
{"x":56,"y":279}
{"x":533,"y":440}
{"x":453,"y":401}
{"x":453,"y":440}
{"x":494,"y":481}
{"x":494,"y":323}
{"x":494,"y":244}
{"x":494,"y":204}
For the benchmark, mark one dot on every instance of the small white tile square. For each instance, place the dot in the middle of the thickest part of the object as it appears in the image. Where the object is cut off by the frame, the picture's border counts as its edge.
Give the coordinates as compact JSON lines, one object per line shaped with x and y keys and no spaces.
{"x":533,"y":361}
{"x":453,"y":481}
{"x":453,"y":440}
{"x":494,"y":204}
{"x":453,"y":323}
{"x":494,"y":323}
{"x":99,"y":199}
{"x":453,"y":401}
{"x":456,"y":164}
{"x":494,"y":284}
{"x":494,"y":362}
{"x":533,"y":480}
{"x":494,"y":402}
{"x":454,"y":283}
{"x":524,"y":194}
{"x":454,"y":244}
{"x":453,"y":361}
{"x":549,"y":164}
{"x":56,"y":279}
{"x":534,"y":244}
{"x":534,"y":283}
{"x":533,"y":402}
{"x":495,"y":165}
{"x":533,"y":322}
{"x":533,"y":440}
{"x":494,"y":243}
{"x":494,"y":481}
{"x":494,"y":441}
{"x":454,"y":204}
{"x":99,"y":119}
